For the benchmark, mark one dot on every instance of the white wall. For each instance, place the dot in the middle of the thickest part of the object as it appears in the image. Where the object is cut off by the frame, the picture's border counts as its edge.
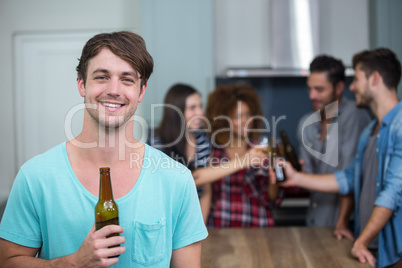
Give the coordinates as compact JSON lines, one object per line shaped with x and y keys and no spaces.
{"x":41,"y":16}
{"x":344,"y":28}
{"x":243,"y":31}
{"x":179,"y":34}
{"x":241,"y":34}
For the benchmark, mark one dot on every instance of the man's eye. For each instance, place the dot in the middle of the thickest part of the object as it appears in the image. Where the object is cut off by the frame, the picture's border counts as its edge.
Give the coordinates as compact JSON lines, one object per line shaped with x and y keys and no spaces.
{"x":129,"y":80}
{"x":100,"y":78}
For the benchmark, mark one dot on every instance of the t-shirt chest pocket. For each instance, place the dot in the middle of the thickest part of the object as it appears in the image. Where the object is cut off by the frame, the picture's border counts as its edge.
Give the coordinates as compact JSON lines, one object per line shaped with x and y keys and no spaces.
{"x":149,"y":242}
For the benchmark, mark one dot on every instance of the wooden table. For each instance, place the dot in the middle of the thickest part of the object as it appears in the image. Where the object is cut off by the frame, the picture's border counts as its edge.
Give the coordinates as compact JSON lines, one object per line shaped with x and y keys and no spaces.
{"x":280,"y":247}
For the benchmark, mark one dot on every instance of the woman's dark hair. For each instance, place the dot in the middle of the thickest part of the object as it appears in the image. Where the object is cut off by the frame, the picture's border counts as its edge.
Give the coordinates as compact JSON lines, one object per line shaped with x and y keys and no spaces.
{"x":223,"y":101}
{"x":171,"y":130}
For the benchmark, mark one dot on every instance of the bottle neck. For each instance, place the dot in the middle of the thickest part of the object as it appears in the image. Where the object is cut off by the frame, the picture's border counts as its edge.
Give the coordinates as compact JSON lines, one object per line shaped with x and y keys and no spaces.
{"x":285,"y":138}
{"x":105,"y":187}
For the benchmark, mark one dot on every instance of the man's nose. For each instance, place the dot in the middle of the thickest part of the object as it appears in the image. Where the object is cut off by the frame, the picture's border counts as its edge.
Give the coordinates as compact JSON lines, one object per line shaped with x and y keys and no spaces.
{"x":113,"y":87}
{"x":312,"y":94}
{"x":352,"y":86}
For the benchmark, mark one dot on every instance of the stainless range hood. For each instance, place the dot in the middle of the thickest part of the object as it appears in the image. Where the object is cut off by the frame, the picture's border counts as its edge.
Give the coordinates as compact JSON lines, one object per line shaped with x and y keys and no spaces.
{"x":294,"y":35}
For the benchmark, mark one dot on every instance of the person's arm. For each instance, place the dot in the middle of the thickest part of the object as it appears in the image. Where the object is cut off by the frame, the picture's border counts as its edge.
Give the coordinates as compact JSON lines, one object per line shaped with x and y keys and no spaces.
{"x":213,"y":173}
{"x":187,"y":257}
{"x":93,"y":252}
{"x":316,"y":182}
{"x":345,"y":210}
{"x":206,"y":200}
{"x":377,"y":221}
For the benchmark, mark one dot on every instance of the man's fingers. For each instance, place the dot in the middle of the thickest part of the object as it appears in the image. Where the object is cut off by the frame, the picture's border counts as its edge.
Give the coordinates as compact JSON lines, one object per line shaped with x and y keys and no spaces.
{"x":112,"y":241}
{"x":349,"y":235}
{"x":301,"y":162}
{"x":361,"y":258}
{"x":366,"y":256}
{"x":343,"y":233}
{"x":111,"y":252}
{"x":371,"y":262}
{"x":108,"y":230}
{"x":338,"y":235}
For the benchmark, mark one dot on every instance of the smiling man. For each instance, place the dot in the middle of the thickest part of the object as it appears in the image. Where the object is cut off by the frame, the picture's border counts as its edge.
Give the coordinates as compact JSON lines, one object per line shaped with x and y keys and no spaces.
{"x":329,"y":143}
{"x":50,"y":211}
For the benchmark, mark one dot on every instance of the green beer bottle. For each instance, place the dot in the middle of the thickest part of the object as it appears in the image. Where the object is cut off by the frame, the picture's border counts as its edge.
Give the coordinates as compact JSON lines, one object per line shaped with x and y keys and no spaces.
{"x":106,"y":211}
{"x":290,"y":151}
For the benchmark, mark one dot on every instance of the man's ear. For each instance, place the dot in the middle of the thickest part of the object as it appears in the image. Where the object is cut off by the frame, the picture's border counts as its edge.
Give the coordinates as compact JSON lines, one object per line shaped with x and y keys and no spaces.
{"x":81,"y":87}
{"x":339,"y":87}
{"x":375,"y":78}
{"x":142,"y":93}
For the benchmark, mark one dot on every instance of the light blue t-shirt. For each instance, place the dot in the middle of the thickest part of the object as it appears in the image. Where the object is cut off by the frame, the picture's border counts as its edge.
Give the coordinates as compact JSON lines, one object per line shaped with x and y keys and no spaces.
{"x":49,"y":208}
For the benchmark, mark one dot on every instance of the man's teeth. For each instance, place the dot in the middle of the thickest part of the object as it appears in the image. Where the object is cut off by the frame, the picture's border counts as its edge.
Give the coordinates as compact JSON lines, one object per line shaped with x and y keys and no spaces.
{"x":112,"y":105}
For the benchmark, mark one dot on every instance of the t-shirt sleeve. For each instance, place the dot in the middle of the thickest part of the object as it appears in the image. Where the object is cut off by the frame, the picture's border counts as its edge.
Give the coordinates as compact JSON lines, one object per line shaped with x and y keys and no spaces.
{"x":190,"y":226}
{"x":20,"y":222}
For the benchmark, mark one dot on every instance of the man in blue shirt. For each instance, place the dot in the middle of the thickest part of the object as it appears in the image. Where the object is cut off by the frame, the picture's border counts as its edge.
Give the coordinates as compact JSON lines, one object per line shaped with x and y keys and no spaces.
{"x":50,"y":210}
{"x":375,"y":174}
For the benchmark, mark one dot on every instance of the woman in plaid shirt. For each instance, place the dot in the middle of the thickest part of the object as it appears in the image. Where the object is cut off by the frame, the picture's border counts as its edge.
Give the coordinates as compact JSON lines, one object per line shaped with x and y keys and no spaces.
{"x":240,"y":198}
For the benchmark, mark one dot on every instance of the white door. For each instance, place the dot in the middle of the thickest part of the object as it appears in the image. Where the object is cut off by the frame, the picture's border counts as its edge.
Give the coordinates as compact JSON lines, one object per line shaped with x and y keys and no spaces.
{"x":46,"y":90}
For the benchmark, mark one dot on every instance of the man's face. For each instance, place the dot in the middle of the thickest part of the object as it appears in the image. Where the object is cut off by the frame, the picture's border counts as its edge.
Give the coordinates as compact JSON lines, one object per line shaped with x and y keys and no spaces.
{"x":112,"y":90}
{"x":321,"y":91}
{"x":360,"y":87}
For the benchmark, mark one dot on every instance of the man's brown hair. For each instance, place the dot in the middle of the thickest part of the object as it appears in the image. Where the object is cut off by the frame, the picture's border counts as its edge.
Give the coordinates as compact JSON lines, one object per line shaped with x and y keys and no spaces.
{"x":126,"y":45}
{"x":382,"y":60}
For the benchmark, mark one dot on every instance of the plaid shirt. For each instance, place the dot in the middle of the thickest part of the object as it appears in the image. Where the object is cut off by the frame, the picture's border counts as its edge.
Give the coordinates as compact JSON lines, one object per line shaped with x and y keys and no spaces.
{"x":240,"y":199}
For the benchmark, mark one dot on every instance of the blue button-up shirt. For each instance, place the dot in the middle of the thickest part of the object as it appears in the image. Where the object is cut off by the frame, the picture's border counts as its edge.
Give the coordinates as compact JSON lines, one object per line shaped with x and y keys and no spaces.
{"x":388,"y":182}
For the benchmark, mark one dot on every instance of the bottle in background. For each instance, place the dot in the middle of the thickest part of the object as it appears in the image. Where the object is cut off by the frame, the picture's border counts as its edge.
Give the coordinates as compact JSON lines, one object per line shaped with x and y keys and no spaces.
{"x":290,"y":151}
{"x":106,"y":211}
